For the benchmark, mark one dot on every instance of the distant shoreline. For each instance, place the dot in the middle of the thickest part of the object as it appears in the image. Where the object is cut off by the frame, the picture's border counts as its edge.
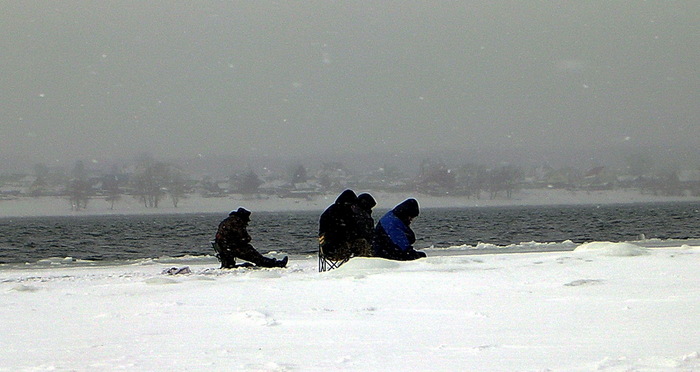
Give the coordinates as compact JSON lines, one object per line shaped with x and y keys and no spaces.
{"x":57,"y":206}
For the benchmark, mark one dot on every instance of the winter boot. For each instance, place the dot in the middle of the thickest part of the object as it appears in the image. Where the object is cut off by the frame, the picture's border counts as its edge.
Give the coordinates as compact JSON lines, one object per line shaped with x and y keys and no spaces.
{"x":282,"y":262}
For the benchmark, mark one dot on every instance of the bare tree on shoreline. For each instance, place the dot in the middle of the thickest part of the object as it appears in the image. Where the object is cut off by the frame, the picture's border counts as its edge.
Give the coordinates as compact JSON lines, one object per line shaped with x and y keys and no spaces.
{"x":78,"y":188}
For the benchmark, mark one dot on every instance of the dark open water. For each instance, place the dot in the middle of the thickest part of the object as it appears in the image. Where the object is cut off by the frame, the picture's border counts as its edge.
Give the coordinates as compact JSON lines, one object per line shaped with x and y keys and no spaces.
{"x":124,"y":238}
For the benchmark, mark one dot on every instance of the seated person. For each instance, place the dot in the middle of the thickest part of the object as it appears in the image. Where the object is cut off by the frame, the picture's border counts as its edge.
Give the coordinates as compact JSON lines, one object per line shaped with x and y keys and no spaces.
{"x":233,"y":241}
{"x":337,"y":227}
{"x":393,"y":237}
{"x":362,"y":246}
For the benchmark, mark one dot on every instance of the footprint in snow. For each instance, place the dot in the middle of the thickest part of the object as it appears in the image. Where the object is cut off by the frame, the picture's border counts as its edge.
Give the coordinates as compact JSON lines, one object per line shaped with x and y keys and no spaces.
{"x":580,"y":282}
{"x":256,"y":317}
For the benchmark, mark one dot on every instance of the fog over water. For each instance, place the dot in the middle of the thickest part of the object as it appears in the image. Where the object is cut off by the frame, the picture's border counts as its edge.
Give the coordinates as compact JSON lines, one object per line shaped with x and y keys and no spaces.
{"x":102,"y":80}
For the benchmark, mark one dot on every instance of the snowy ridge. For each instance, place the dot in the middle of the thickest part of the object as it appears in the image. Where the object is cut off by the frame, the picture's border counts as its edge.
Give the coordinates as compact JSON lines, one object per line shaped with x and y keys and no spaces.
{"x":531,"y":246}
{"x":480,"y":248}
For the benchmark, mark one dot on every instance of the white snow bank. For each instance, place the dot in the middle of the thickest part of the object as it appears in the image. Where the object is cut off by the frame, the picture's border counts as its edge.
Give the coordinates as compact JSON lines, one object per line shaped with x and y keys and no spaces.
{"x":611,"y":249}
{"x":557,"y":311}
{"x":361,"y":267}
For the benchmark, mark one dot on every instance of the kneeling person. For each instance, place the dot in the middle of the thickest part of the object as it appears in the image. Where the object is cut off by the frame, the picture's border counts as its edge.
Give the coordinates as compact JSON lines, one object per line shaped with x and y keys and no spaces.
{"x":234,"y":242}
{"x":393,"y":237}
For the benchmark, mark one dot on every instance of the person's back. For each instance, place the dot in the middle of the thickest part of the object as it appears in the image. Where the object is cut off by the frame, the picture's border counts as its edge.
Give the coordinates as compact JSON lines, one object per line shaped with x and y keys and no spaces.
{"x":362,"y":246}
{"x":337,"y":226}
{"x":393,"y":237}
{"x":232,"y":230}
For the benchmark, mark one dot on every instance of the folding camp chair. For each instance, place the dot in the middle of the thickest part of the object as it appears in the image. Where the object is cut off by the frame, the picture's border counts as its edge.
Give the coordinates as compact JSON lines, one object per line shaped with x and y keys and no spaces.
{"x":329,"y":262}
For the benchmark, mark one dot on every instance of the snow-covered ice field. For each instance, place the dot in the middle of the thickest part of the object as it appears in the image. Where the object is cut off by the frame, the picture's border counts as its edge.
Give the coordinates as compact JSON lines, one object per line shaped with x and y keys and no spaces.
{"x":604,"y":306}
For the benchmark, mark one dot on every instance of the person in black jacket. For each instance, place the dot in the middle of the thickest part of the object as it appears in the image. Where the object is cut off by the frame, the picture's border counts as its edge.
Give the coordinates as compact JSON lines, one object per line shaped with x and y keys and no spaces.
{"x":393,"y":237}
{"x":365,"y":225}
{"x":338,"y":227}
{"x":232,"y":240}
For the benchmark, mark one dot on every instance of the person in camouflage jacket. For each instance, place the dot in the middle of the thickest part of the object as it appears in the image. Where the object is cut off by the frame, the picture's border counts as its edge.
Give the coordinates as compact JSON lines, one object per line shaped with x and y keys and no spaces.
{"x":233,"y":241}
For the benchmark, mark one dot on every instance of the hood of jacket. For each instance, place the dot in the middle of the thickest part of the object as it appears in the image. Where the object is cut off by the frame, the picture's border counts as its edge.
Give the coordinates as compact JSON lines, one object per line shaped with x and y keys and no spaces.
{"x":407,"y":209}
{"x":346,"y":197}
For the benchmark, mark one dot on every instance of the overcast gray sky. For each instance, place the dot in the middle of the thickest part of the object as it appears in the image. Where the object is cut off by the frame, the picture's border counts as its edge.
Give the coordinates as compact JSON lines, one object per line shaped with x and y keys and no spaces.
{"x":100,"y":79}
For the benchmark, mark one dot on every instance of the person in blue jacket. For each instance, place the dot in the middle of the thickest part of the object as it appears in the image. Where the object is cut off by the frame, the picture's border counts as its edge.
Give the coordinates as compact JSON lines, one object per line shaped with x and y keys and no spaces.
{"x":393,"y":237}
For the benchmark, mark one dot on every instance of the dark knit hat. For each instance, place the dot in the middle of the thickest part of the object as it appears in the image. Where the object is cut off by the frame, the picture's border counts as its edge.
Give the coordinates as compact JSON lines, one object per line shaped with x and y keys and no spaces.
{"x":366,"y":201}
{"x":242,"y":213}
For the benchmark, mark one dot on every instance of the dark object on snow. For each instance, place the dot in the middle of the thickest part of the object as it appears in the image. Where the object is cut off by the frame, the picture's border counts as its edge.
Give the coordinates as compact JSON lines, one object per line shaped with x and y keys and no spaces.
{"x":178,"y":270}
{"x":233,"y":241}
{"x":393,"y":237}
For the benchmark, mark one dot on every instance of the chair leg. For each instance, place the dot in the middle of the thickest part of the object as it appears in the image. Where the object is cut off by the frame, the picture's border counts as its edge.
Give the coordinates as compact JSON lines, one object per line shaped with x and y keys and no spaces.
{"x":321,"y":263}
{"x":325,"y":264}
